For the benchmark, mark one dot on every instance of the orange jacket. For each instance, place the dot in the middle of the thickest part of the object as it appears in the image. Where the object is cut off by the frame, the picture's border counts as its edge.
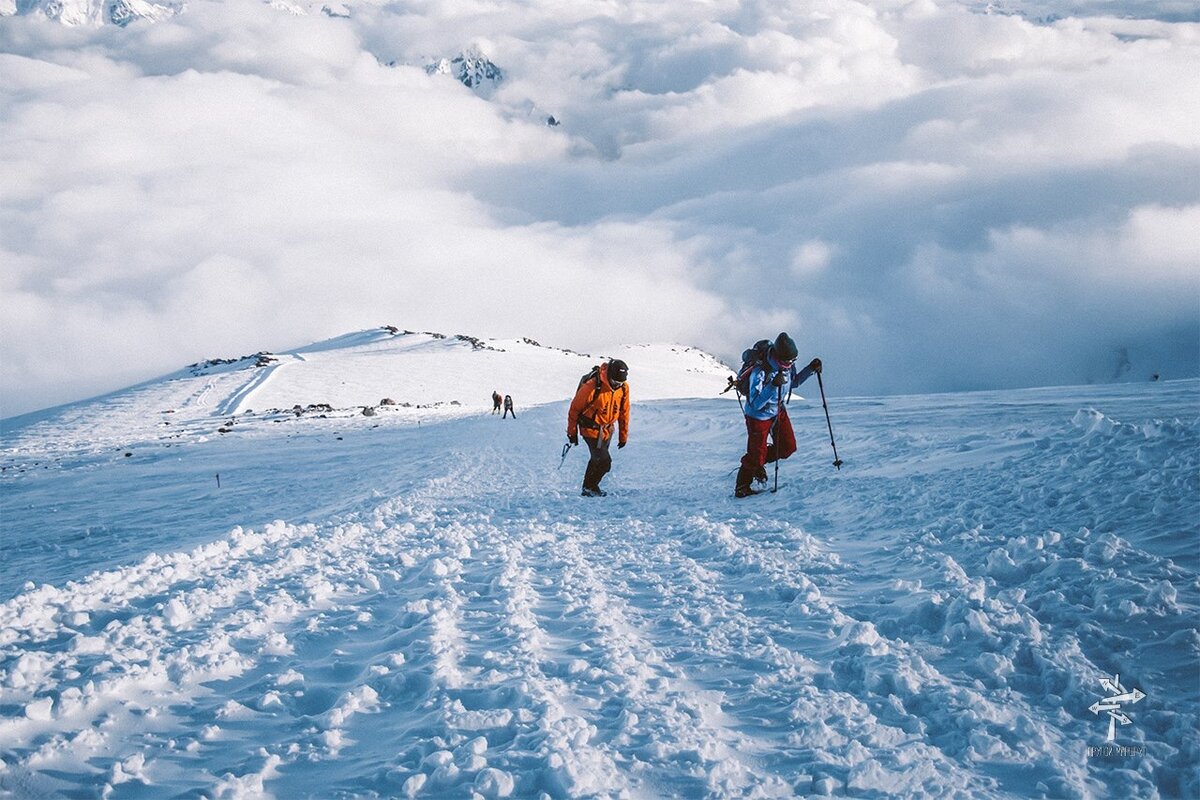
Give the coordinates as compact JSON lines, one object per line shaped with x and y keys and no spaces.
{"x":595,"y":418}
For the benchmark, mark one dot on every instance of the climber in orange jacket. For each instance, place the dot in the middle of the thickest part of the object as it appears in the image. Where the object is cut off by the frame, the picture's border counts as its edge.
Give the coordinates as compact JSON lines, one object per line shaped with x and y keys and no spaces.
{"x":601,"y":401}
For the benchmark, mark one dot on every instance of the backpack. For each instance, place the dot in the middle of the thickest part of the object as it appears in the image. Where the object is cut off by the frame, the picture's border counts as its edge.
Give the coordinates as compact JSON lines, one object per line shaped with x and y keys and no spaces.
{"x":755,"y":356}
{"x":594,"y":375}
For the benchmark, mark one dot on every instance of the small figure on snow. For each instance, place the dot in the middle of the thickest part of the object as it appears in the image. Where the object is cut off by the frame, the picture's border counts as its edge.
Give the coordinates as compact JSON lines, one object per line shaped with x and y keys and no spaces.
{"x":508,"y":408}
{"x":767,"y":379}
{"x":496,"y":402}
{"x":601,"y":401}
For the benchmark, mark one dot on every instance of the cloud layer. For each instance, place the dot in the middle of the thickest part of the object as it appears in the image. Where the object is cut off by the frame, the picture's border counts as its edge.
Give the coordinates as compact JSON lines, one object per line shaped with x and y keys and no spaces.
{"x":928,"y":197}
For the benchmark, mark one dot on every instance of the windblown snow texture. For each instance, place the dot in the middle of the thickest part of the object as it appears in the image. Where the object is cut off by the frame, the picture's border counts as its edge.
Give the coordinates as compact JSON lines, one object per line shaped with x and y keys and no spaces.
{"x":368,"y":607}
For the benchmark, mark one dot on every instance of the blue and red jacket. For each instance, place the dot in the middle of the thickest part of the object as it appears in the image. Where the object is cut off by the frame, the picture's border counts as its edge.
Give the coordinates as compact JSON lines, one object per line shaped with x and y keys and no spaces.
{"x":762,"y":401}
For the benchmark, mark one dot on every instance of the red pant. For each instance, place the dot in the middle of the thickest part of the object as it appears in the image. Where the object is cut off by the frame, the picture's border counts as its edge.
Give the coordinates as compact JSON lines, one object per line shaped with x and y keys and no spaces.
{"x":758,"y":452}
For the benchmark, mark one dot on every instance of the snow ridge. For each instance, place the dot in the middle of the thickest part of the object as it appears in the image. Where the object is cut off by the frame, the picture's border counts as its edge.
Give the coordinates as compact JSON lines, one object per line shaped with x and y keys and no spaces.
{"x":401,"y":376}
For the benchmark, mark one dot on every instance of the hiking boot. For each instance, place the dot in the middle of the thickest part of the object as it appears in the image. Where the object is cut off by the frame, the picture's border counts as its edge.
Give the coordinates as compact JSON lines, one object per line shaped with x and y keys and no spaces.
{"x":741,"y":486}
{"x":593,"y":491}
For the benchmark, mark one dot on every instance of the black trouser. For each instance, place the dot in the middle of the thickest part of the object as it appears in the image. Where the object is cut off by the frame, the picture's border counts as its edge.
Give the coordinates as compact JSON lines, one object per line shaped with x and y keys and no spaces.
{"x":508,"y":410}
{"x":600,"y":462}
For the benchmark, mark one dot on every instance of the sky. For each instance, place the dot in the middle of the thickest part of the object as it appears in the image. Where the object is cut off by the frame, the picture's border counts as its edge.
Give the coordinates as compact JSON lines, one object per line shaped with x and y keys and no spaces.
{"x":927,"y":196}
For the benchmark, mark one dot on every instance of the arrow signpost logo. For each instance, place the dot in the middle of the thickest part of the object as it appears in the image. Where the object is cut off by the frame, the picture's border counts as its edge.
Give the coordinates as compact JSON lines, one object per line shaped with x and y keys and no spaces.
{"x":1118,"y":696}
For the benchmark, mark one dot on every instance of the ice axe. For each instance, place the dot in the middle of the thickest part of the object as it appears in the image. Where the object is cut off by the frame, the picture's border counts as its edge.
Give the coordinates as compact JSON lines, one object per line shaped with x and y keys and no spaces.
{"x":837,"y":462}
{"x":566,"y":449}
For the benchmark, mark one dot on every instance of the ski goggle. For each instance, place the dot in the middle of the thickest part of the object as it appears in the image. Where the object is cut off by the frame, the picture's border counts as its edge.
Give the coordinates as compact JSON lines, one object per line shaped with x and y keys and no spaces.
{"x":785,"y":364}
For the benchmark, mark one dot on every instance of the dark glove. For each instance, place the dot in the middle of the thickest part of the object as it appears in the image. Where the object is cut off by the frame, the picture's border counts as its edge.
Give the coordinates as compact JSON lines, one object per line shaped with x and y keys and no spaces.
{"x":778,"y":380}
{"x":620,"y":445}
{"x":573,"y":439}
{"x":815,"y":365}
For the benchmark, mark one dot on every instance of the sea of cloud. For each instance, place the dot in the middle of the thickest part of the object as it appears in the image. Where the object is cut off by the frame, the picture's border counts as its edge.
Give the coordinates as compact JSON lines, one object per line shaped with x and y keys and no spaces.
{"x":926,"y":195}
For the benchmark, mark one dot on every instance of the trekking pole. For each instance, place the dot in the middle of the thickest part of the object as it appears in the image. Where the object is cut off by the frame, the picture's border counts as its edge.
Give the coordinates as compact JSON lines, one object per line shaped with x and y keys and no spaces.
{"x":837,"y":462}
{"x":566,"y":449}
{"x":775,"y":436}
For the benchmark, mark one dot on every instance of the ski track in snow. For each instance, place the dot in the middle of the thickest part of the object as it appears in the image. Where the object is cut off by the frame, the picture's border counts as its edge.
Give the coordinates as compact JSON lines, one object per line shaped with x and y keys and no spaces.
{"x":931,"y":621}
{"x":258,"y":379}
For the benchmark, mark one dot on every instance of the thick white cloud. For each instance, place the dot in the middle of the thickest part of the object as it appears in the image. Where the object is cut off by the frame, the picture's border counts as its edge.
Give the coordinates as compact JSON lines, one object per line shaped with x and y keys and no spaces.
{"x":928,"y":197}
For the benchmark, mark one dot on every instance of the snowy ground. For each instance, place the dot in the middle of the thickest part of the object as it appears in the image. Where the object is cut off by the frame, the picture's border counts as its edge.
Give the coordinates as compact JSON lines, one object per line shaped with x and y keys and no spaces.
{"x":371,"y":607}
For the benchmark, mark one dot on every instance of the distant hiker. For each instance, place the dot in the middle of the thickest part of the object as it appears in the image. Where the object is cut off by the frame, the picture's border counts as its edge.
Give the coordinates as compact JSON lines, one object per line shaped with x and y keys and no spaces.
{"x":508,"y":409}
{"x":601,"y":401}
{"x":766,"y":379}
{"x":496,"y":402}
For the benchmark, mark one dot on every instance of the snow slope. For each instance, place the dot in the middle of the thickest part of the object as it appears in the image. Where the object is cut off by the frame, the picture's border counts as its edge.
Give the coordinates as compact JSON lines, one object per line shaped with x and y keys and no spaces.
{"x":426,"y":375}
{"x":372,"y":607}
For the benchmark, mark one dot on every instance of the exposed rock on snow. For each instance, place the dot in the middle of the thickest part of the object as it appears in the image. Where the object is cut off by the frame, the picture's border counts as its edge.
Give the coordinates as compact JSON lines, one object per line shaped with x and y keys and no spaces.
{"x":257,"y":360}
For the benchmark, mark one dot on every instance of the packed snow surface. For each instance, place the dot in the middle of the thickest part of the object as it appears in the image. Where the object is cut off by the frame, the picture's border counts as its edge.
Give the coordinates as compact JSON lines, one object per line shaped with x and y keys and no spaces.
{"x":419,"y":603}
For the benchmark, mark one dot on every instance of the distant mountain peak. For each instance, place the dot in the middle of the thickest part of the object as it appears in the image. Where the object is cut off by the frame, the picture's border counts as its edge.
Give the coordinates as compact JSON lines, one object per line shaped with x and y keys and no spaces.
{"x":94,"y":12}
{"x":471,"y":67}
{"x":123,"y":12}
